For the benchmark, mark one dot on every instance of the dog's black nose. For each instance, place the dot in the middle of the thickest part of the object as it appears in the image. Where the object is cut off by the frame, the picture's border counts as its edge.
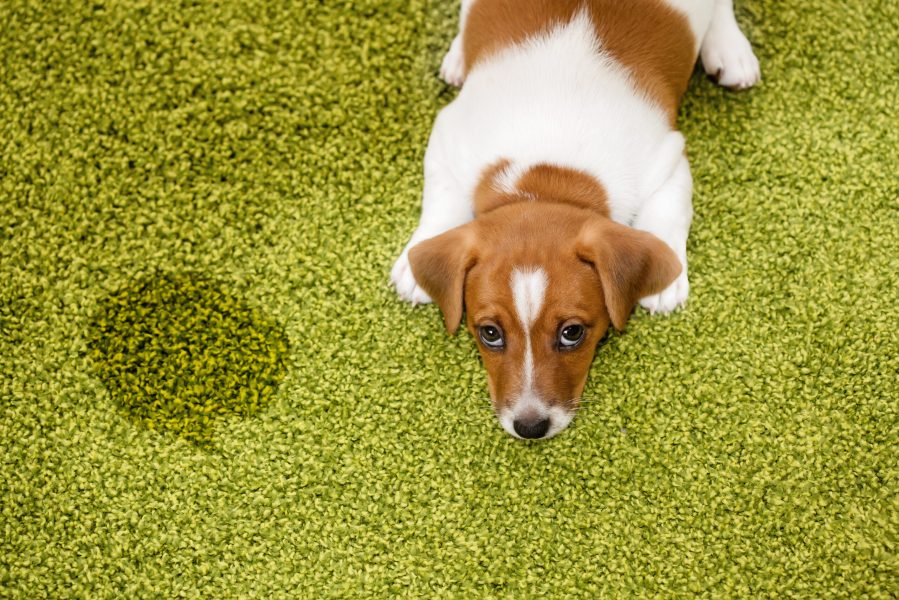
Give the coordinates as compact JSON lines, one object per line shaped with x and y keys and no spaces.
{"x":531,"y":429}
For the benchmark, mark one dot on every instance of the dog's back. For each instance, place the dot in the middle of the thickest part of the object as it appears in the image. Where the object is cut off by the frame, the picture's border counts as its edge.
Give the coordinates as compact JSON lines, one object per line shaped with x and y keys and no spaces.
{"x":656,"y":41}
{"x":548,"y":88}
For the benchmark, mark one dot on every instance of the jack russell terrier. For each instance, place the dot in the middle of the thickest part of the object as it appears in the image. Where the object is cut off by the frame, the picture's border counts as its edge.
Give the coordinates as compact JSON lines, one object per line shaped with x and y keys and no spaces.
{"x":556,"y":190}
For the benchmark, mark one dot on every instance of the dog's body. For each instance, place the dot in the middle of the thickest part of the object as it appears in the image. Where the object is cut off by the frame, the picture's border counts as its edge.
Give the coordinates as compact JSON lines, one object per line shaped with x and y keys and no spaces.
{"x":558,"y":167}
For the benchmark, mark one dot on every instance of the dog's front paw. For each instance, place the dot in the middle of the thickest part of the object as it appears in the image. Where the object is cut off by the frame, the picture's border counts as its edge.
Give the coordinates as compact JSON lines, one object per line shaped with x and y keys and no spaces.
{"x":404,"y":281}
{"x":671,"y":298}
{"x":728,"y":58}
{"x":452,"y":69}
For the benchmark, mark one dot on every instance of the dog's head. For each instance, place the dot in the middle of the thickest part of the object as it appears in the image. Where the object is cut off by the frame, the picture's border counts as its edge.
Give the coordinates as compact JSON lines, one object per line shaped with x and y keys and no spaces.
{"x":540,"y":283}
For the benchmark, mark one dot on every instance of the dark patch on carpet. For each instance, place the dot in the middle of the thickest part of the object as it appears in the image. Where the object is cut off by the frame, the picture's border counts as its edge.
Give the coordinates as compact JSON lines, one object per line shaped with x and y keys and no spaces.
{"x":178,"y":352}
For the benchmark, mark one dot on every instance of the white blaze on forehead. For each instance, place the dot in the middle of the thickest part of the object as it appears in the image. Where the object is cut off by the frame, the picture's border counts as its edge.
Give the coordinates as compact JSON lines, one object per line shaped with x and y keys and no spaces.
{"x":528,"y":290}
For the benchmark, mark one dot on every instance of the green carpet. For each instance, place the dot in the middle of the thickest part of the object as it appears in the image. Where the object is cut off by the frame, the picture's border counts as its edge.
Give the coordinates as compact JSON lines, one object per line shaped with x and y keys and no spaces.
{"x":209,"y":390}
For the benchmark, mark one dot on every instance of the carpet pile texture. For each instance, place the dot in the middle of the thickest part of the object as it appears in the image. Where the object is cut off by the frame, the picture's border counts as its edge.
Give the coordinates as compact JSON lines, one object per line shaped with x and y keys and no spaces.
{"x":207,"y":387}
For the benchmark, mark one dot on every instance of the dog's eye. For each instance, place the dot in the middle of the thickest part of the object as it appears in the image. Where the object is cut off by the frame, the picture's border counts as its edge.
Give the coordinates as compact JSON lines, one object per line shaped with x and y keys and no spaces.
{"x":571,"y":336}
{"x":492,"y":336}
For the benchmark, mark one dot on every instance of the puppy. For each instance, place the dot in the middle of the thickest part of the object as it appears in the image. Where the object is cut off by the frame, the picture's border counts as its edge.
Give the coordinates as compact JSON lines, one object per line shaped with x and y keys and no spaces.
{"x":557,"y":194}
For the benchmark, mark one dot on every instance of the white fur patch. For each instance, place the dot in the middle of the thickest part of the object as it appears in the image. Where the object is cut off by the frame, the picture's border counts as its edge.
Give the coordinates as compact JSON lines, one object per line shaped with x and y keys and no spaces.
{"x":528,"y":289}
{"x":528,"y":292}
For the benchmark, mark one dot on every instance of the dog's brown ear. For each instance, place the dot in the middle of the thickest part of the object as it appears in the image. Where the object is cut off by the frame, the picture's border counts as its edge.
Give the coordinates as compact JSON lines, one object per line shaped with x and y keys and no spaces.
{"x":631,"y":264}
{"x":440,"y":265}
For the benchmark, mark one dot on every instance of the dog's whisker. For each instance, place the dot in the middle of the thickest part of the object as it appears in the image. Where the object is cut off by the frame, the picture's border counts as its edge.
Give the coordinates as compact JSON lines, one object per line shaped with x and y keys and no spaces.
{"x":587,"y":400}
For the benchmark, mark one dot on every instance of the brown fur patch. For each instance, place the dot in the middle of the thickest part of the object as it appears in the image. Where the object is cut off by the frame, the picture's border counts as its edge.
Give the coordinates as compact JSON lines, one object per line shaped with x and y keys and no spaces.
{"x":649,"y":37}
{"x":544,"y":182}
{"x":565,"y":185}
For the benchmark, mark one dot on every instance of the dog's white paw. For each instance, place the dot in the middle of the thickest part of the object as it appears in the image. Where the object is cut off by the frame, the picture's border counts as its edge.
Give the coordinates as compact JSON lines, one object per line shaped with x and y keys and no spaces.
{"x":452,"y":69}
{"x":671,"y":298}
{"x":727,"y":57}
{"x":404,"y":281}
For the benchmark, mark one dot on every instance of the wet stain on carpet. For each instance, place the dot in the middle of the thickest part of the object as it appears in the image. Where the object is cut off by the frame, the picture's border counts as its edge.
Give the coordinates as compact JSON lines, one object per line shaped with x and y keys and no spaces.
{"x":179,"y":352}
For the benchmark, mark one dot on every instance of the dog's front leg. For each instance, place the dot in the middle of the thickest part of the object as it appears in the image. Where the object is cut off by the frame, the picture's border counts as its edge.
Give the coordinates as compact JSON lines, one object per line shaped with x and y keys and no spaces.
{"x":726,"y":53}
{"x":442,"y":209}
{"x":444,"y":206}
{"x":667,"y":214}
